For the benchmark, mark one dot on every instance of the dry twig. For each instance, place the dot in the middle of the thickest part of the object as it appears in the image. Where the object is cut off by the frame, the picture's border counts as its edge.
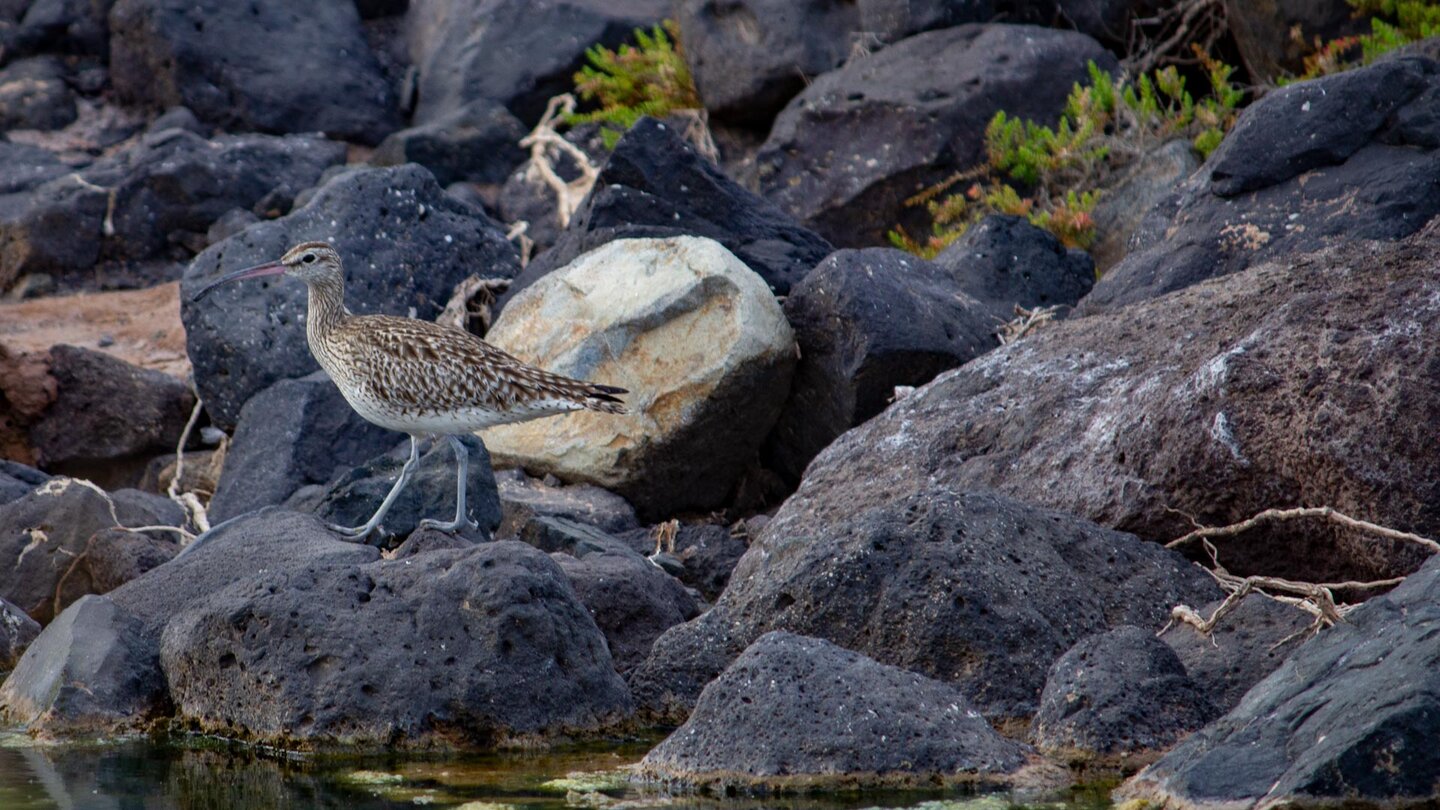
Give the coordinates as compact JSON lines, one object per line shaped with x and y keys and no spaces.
{"x":1024,"y":322}
{"x":472,"y":299}
{"x":546,"y":144}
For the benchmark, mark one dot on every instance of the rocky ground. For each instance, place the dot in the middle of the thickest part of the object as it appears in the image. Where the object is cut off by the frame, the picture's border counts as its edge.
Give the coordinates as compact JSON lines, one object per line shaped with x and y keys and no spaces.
{"x":852,"y":532}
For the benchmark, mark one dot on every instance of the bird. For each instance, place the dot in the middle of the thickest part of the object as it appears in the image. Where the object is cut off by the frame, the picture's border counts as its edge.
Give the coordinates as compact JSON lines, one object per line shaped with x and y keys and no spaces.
{"x":418,"y":377}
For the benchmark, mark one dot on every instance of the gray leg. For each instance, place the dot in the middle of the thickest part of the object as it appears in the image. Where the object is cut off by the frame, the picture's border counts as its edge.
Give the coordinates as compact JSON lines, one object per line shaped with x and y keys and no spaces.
{"x":462,"y":469}
{"x":360,"y":532}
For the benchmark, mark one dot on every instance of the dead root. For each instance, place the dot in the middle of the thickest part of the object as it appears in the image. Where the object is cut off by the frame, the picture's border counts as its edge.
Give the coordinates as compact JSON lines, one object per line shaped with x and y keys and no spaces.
{"x":546,"y":145}
{"x":473,"y":299}
{"x":1024,"y":322}
{"x":1315,"y":598}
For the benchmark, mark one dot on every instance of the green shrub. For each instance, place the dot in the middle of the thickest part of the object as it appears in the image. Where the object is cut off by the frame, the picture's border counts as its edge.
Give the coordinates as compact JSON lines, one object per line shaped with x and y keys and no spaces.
{"x":633,"y":81}
{"x":1393,"y":25}
{"x":1106,"y":125}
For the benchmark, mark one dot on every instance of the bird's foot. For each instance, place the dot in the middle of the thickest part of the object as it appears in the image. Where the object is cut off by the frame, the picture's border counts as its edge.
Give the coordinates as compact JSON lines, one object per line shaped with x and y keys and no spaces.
{"x":349,"y":533}
{"x":449,"y":525}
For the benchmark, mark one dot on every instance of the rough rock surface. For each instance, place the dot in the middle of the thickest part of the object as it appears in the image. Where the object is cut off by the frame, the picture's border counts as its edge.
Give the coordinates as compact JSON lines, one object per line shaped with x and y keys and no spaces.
{"x":1123,"y":206}
{"x":23,"y":167}
{"x":704,"y":553}
{"x":794,"y":711}
{"x":17,"y":630}
{"x":106,"y":413}
{"x":695,"y":336}
{"x":1118,"y":694}
{"x":354,"y":496}
{"x":407,"y":244}
{"x":1005,"y":262}
{"x":1299,"y":382}
{"x":294,"y":433}
{"x":1348,"y":717}
{"x":263,"y":65}
{"x":34,"y":95}
{"x":63,"y":26}
{"x":43,"y":533}
{"x":655,"y":185}
{"x":631,"y":600}
{"x":867,"y":321}
{"x":1330,"y":161}
{"x":965,"y":587}
{"x":519,"y":52}
{"x":168,"y":190}
{"x":18,"y":480}
{"x":87,"y":673}
{"x":846,"y":153}
{"x":470,"y":647}
{"x":479,"y":143}
{"x":1247,"y":645}
{"x":522,"y":499}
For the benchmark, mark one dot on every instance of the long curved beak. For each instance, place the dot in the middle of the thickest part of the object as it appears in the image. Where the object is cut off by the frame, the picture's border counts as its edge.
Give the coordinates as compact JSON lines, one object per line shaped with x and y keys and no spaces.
{"x":267,"y":269}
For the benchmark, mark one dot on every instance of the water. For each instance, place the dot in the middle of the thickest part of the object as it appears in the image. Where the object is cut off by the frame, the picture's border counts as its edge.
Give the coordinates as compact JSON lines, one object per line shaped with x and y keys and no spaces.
{"x":197,"y":774}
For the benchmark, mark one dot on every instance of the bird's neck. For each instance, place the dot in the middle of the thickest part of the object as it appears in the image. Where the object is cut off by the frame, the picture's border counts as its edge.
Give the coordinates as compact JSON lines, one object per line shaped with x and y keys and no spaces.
{"x":327,"y":306}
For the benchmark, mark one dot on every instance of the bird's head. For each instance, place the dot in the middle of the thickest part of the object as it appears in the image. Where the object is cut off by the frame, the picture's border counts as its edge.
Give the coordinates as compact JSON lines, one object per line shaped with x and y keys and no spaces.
{"x":310,"y":262}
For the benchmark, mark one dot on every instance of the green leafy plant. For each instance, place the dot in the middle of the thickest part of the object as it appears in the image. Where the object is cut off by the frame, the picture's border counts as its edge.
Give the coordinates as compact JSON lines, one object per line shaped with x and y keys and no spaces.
{"x":633,"y":81}
{"x":1053,"y":176}
{"x":1393,"y":25}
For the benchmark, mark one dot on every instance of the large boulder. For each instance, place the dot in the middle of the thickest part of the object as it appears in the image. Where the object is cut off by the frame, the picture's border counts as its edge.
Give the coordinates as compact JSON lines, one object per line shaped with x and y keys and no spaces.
{"x":263,"y":65}
{"x":151,"y":199}
{"x":1005,"y":262}
{"x":464,"y":647}
{"x":354,"y":495}
{"x":108,"y":417}
{"x":695,"y":336}
{"x":408,"y":244}
{"x":51,"y":539}
{"x":655,"y":185}
{"x":846,"y":153}
{"x":518,"y":52}
{"x":17,"y":630}
{"x":478,"y":143}
{"x":1285,"y":181}
{"x":799,"y":712}
{"x":1299,"y":382}
{"x":867,"y":321}
{"x":966,"y":587}
{"x":86,"y":674}
{"x":1347,"y":718}
{"x":1119,"y":694}
{"x":294,"y":433}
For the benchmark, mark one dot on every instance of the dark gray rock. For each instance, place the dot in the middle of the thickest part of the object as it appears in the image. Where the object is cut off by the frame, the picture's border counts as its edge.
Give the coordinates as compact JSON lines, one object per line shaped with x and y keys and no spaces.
{"x":295,"y":432}
{"x":17,"y":480}
{"x":965,"y":587}
{"x":107,"y":412}
{"x":1248,"y":644}
{"x":86,"y":674}
{"x":263,"y":65}
{"x":654,"y":185}
{"x":472,"y":647}
{"x":1265,"y":33}
{"x":23,"y":167}
{"x":34,"y":95}
{"x":522,"y":499}
{"x":846,"y":153}
{"x":518,"y":52}
{"x":1118,"y":694}
{"x":17,"y":630}
{"x":703,"y":555}
{"x":1004,"y":262}
{"x":1284,"y":182}
{"x":1293,"y":383}
{"x":479,"y":143}
{"x":166,"y":191}
{"x":631,"y":599}
{"x":178,"y":118}
{"x":1123,"y":207}
{"x":370,"y":9}
{"x":1346,"y":718}
{"x":43,"y":533}
{"x":65,"y":26}
{"x":1108,"y":21}
{"x":867,"y":321}
{"x":230,"y":223}
{"x":407,"y":244}
{"x":794,"y":711}
{"x":354,"y":496}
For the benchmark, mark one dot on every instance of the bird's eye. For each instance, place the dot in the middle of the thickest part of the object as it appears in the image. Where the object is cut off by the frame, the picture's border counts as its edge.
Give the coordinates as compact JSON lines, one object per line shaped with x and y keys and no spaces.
{"x":308,"y":258}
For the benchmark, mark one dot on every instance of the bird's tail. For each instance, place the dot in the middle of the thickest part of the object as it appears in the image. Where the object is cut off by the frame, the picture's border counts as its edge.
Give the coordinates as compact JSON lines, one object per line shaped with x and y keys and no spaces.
{"x":603,"y":398}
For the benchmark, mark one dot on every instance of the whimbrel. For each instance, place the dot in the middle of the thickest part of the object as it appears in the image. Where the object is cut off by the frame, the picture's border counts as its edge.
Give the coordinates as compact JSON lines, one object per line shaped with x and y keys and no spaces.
{"x":418,"y":377}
